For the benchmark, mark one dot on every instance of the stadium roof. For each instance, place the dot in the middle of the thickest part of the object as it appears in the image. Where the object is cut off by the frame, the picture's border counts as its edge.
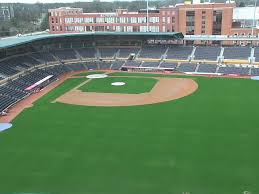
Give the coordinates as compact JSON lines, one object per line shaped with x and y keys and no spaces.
{"x":15,"y":41}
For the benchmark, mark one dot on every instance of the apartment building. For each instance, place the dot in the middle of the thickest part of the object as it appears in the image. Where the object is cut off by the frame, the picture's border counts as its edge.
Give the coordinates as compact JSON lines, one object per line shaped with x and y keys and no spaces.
{"x":190,"y":19}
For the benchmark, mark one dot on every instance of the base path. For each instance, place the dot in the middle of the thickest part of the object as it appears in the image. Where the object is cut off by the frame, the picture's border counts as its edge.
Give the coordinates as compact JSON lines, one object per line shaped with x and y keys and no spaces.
{"x":166,"y":89}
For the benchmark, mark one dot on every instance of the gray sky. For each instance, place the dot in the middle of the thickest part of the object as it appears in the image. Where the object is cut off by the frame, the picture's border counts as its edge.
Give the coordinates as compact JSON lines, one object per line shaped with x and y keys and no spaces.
{"x":48,"y":1}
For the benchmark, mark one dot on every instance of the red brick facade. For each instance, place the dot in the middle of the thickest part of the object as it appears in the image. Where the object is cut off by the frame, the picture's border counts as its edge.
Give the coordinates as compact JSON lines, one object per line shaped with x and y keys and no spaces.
{"x":190,"y":19}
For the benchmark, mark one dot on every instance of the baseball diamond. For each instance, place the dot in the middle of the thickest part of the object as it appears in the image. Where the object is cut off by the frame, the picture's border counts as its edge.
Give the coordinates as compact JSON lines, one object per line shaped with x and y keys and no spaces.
{"x":148,"y":118}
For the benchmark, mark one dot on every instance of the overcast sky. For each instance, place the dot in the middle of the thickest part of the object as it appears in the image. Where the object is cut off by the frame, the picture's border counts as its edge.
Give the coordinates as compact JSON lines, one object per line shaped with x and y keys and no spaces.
{"x":48,"y":1}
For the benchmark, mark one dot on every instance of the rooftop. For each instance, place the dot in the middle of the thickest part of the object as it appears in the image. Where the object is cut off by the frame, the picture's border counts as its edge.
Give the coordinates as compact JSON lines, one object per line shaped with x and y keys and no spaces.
{"x":15,"y":41}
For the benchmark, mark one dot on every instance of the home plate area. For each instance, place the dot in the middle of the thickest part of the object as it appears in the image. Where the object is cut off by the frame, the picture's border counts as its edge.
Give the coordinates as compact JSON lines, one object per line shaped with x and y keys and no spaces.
{"x":132,"y":91}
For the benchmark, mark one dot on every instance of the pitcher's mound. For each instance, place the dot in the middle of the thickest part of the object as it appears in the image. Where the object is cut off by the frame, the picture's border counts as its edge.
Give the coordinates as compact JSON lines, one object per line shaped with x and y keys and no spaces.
{"x":118,"y":83}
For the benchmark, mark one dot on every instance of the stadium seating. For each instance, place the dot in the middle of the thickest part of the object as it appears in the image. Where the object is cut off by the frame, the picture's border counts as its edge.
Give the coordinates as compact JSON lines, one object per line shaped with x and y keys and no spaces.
{"x":179,"y":52}
{"x":6,"y":102}
{"x":255,"y":71}
{"x":104,"y":65}
{"x":125,"y":52}
{"x":43,"y":57}
{"x":133,"y":63}
{"x":65,"y":54}
{"x":233,"y":70}
{"x":86,"y":52}
{"x":92,"y":66}
{"x":187,"y":67}
{"x":168,"y":65}
{"x":7,"y":70}
{"x":207,"y":68}
{"x":150,"y":64}
{"x":207,"y":53}
{"x":237,"y":53}
{"x":155,"y":52}
{"x":77,"y":67}
{"x":116,"y":65}
{"x":256,"y":54}
{"x":108,"y":52}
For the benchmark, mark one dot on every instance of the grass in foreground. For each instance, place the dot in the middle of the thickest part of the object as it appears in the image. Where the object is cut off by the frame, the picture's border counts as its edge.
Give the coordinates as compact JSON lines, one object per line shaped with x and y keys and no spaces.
{"x":204,"y":143}
{"x":132,"y":85}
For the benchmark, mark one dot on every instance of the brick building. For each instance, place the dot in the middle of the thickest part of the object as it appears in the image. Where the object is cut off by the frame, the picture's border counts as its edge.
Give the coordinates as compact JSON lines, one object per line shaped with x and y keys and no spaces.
{"x":190,"y":19}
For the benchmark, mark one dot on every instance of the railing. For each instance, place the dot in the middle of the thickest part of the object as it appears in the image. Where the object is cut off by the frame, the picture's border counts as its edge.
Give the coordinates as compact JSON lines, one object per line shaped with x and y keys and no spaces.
{"x":221,"y":37}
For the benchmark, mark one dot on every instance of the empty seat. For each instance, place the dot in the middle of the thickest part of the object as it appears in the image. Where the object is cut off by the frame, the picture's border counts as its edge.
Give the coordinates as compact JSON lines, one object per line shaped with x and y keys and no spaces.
{"x":179,"y":52}
{"x":154,"y":52}
{"x":207,"y":68}
{"x":207,"y":53}
{"x":237,"y":53}
{"x":187,"y":67}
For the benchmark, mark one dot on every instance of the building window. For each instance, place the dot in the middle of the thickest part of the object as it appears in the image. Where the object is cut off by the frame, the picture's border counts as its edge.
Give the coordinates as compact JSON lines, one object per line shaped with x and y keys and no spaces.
{"x":217,"y":22}
{"x":163,"y":29}
{"x":190,"y":22}
{"x":133,"y":20}
{"x":142,"y":20}
{"x":122,"y":20}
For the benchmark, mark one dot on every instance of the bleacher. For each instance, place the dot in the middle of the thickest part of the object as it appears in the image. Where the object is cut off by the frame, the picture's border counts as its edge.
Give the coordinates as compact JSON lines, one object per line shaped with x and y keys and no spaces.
{"x":154,"y":52}
{"x":207,"y":53}
{"x":65,"y":54}
{"x":187,"y":67}
{"x":125,"y":52}
{"x":7,"y":70}
{"x":43,"y":57}
{"x":132,"y":63}
{"x":254,"y":71}
{"x":116,"y":65}
{"x":168,"y":65}
{"x":207,"y":68}
{"x":108,"y":52}
{"x":86,"y":52}
{"x":233,"y":70}
{"x":104,"y":65}
{"x":77,"y":67}
{"x":92,"y":66}
{"x":179,"y":52}
{"x":6,"y":102}
{"x":150,"y":64}
{"x":241,"y":53}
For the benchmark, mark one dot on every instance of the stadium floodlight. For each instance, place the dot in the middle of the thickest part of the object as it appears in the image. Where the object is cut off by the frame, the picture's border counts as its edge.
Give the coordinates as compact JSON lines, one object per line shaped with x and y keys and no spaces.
{"x":147,"y":18}
{"x":254,"y":19}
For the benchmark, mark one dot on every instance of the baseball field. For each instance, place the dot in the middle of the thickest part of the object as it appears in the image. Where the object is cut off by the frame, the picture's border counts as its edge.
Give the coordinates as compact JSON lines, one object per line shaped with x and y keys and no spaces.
{"x":203,"y":141}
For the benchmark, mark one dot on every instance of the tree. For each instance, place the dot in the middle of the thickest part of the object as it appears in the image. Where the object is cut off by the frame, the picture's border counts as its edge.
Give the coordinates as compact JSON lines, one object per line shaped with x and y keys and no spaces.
{"x":45,"y":22}
{"x":242,"y":4}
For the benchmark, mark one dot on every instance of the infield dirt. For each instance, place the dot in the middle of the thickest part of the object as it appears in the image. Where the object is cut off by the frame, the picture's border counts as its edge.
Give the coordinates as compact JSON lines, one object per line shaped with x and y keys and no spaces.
{"x":166,"y":89}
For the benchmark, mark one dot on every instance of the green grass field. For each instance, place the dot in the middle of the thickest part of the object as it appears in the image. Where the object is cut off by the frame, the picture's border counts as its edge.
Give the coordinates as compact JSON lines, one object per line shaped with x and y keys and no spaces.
{"x":206,"y":143}
{"x":132,"y":85}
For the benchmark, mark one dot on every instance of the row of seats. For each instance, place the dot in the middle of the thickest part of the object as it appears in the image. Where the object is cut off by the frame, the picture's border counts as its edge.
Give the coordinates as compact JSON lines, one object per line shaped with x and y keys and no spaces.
{"x":14,"y":65}
{"x":13,"y":91}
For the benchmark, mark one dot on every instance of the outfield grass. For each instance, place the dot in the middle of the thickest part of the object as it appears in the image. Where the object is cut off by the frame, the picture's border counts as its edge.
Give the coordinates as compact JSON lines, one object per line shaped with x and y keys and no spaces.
{"x":132,"y":85}
{"x":205,"y":143}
